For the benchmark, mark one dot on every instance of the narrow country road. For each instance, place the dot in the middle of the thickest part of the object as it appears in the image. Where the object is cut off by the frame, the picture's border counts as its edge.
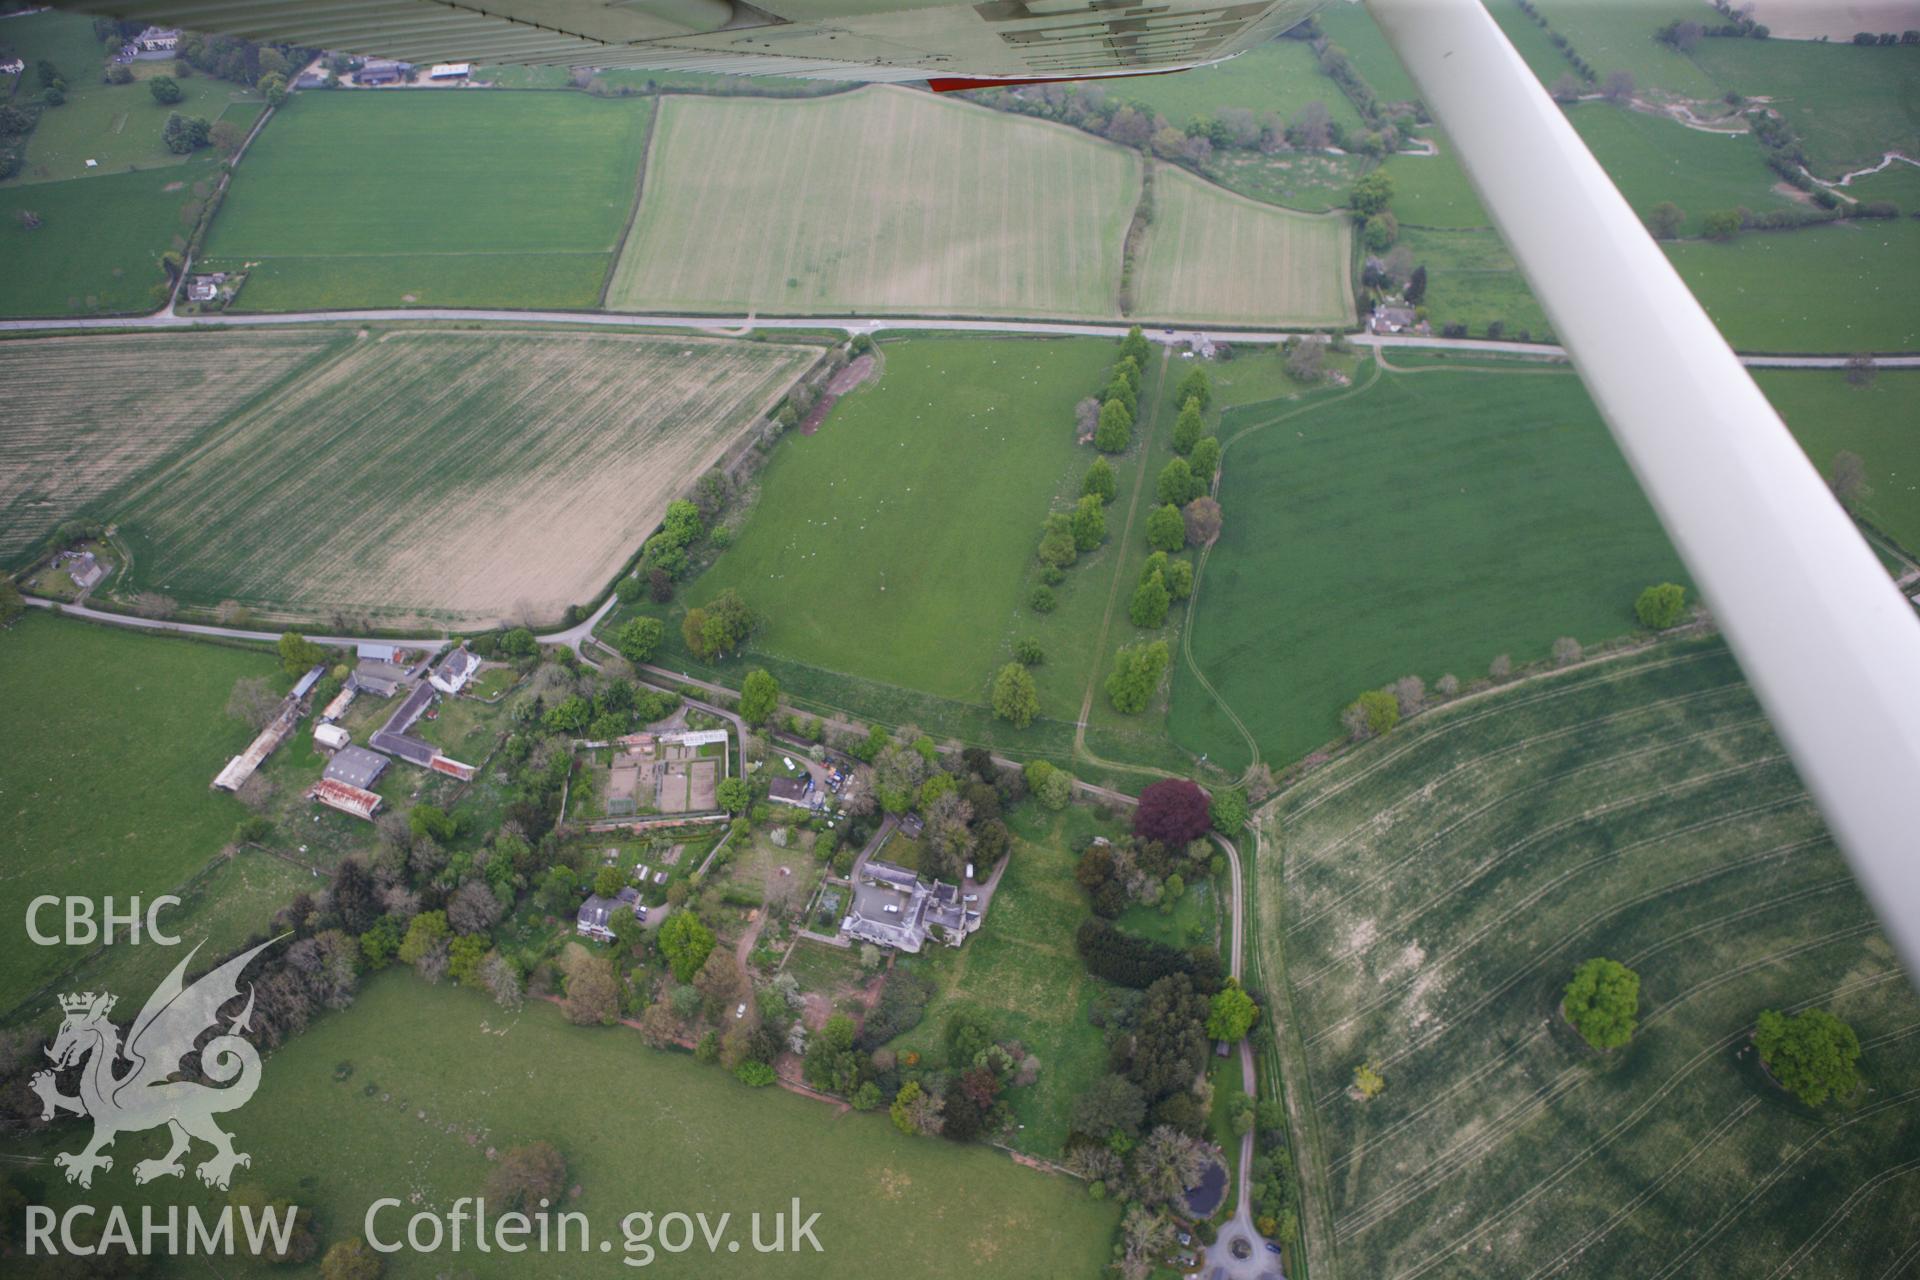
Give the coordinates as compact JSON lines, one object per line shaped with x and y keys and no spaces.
{"x":853,"y":325}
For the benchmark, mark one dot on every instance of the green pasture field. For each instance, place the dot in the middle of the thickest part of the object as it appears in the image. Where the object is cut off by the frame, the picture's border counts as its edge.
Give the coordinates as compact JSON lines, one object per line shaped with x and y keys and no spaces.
{"x":1433,"y":892}
{"x":1897,"y":182}
{"x":889,"y":555}
{"x":1838,"y":288}
{"x":116,"y":737}
{"x":1023,"y":975}
{"x":1473,"y":279}
{"x":520,"y":480}
{"x":435,"y":199}
{"x":97,"y":248}
{"x":1281,"y":76}
{"x":435,"y":1078}
{"x":877,"y":200}
{"x":1352,"y":28}
{"x":1848,"y":104}
{"x":1876,"y":422}
{"x":1618,"y":36}
{"x":89,"y":415}
{"x":1217,"y":257}
{"x":1534,"y":45}
{"x":1433,"y":191}
{"x":1651,"y":159}
{"x":1421,"y":523}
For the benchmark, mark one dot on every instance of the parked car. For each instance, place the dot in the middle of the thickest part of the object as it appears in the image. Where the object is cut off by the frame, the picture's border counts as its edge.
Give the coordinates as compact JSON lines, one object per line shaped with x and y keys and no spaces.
{"x":741,"y":1011}
{"x":1272,"y":1247}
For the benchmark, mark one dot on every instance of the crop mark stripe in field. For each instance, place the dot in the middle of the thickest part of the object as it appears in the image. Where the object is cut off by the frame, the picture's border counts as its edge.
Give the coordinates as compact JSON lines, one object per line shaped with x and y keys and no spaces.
{"x":1761,"y":1186}
{"x":1634,"y":801}
{"x":1647,"y":1192}
{"x":1734,"y":917}
{"x":1454,"y":952}
{"x":1478,"y":763}
{"x":1842,"y":1213}
{"x":1672,"y":1082}
{"x":1426,"y":733}
{"x":1899,"y":1265}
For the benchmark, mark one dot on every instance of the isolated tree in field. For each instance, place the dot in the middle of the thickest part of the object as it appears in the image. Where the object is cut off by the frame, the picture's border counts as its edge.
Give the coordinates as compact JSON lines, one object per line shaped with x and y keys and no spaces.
{"x":1812,"y":1053}
{"x":1099,"y":482}
{"x":1150,"y":602}
{"x":1179,"y":578}
{"x":184,"y":134}
{"x":1416,"y":290}
{"x":1058,"y":545}
{"x":1304,"y":362}
{"x":1723,"y":225}
{"x":1016,"y":699}
{"x":299,"y":655}
{"x":1602,"y":1002}
{"x":525,"y":1176}
{"x":1370,"y":195}
{"x":1137,"y":672}
{"x":1233,"y":1013}
{"x":1847,"y":477}
{"x":350,"y":1259}
{"x":1566,"y":651}
{"x":1204,"y":461}
{"x":1410,"y":692}
{"x":1200,"y":523}
{"x":1175,"y":485}
{"x":1173,"y":811}
{"x":165,"y":91}
{"x":1661,"y":605}
{"x":1665,"y":219}
{"x":733,"y":795}
{"x":1115,"y":431}
{"x":1861,"y":371}
{"x":1197,"y":387}
{"x":1367,"y":1080}
{"x":685,"y":943}
{"x":1371,"y":714}
{"x":759,"y":696}
{"x":1086,"y":417}
{"x":1089,"y":523}
{"x":638,"y":639}
{"x":1187,"y":427}
{"x":1166,"y":530}
{"x":1228,"y":811}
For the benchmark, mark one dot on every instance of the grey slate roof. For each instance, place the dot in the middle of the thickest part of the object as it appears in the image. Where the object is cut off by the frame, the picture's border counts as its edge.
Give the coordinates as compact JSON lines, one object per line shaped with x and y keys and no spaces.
{"x":356,"y":766}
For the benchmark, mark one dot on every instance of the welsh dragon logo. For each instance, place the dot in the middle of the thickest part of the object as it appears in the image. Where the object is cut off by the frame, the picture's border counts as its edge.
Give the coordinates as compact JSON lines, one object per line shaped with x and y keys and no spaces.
{"x":142,"y":1094}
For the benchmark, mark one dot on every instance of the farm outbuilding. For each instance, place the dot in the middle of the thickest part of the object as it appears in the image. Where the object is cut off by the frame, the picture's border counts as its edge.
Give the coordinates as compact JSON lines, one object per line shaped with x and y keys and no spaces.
{"x":331,"y":736}
{"x":356,"y":766}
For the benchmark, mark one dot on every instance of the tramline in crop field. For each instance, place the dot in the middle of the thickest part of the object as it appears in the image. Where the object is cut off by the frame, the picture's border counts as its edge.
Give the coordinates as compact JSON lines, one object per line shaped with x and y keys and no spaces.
{"x":1435,"y":891}
{"x":426,"y":477}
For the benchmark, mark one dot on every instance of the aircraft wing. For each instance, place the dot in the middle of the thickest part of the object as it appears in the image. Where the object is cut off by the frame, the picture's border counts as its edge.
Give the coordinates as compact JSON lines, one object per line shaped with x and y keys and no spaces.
{"x":826,"y":39}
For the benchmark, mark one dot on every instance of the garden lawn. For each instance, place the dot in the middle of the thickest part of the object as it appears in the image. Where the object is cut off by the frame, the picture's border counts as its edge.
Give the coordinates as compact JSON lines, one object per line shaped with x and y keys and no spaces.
{"x":440,"y":199}
{"x":97,"y":248}
{"x":877,"y":200}
{"x":1433,"y":191}
{"x":888,"y":555}
{"x":118,"y":126}
{"x":1423,"y":523}
{"x":1023,"y":974}
{"x":1876,"y":422}
{"x":414,"y":1085}
{"x":1838,"y":288}
{"x":114,"y":739}
{"x":1848,"y":104}
{"x":1439,"y":886}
